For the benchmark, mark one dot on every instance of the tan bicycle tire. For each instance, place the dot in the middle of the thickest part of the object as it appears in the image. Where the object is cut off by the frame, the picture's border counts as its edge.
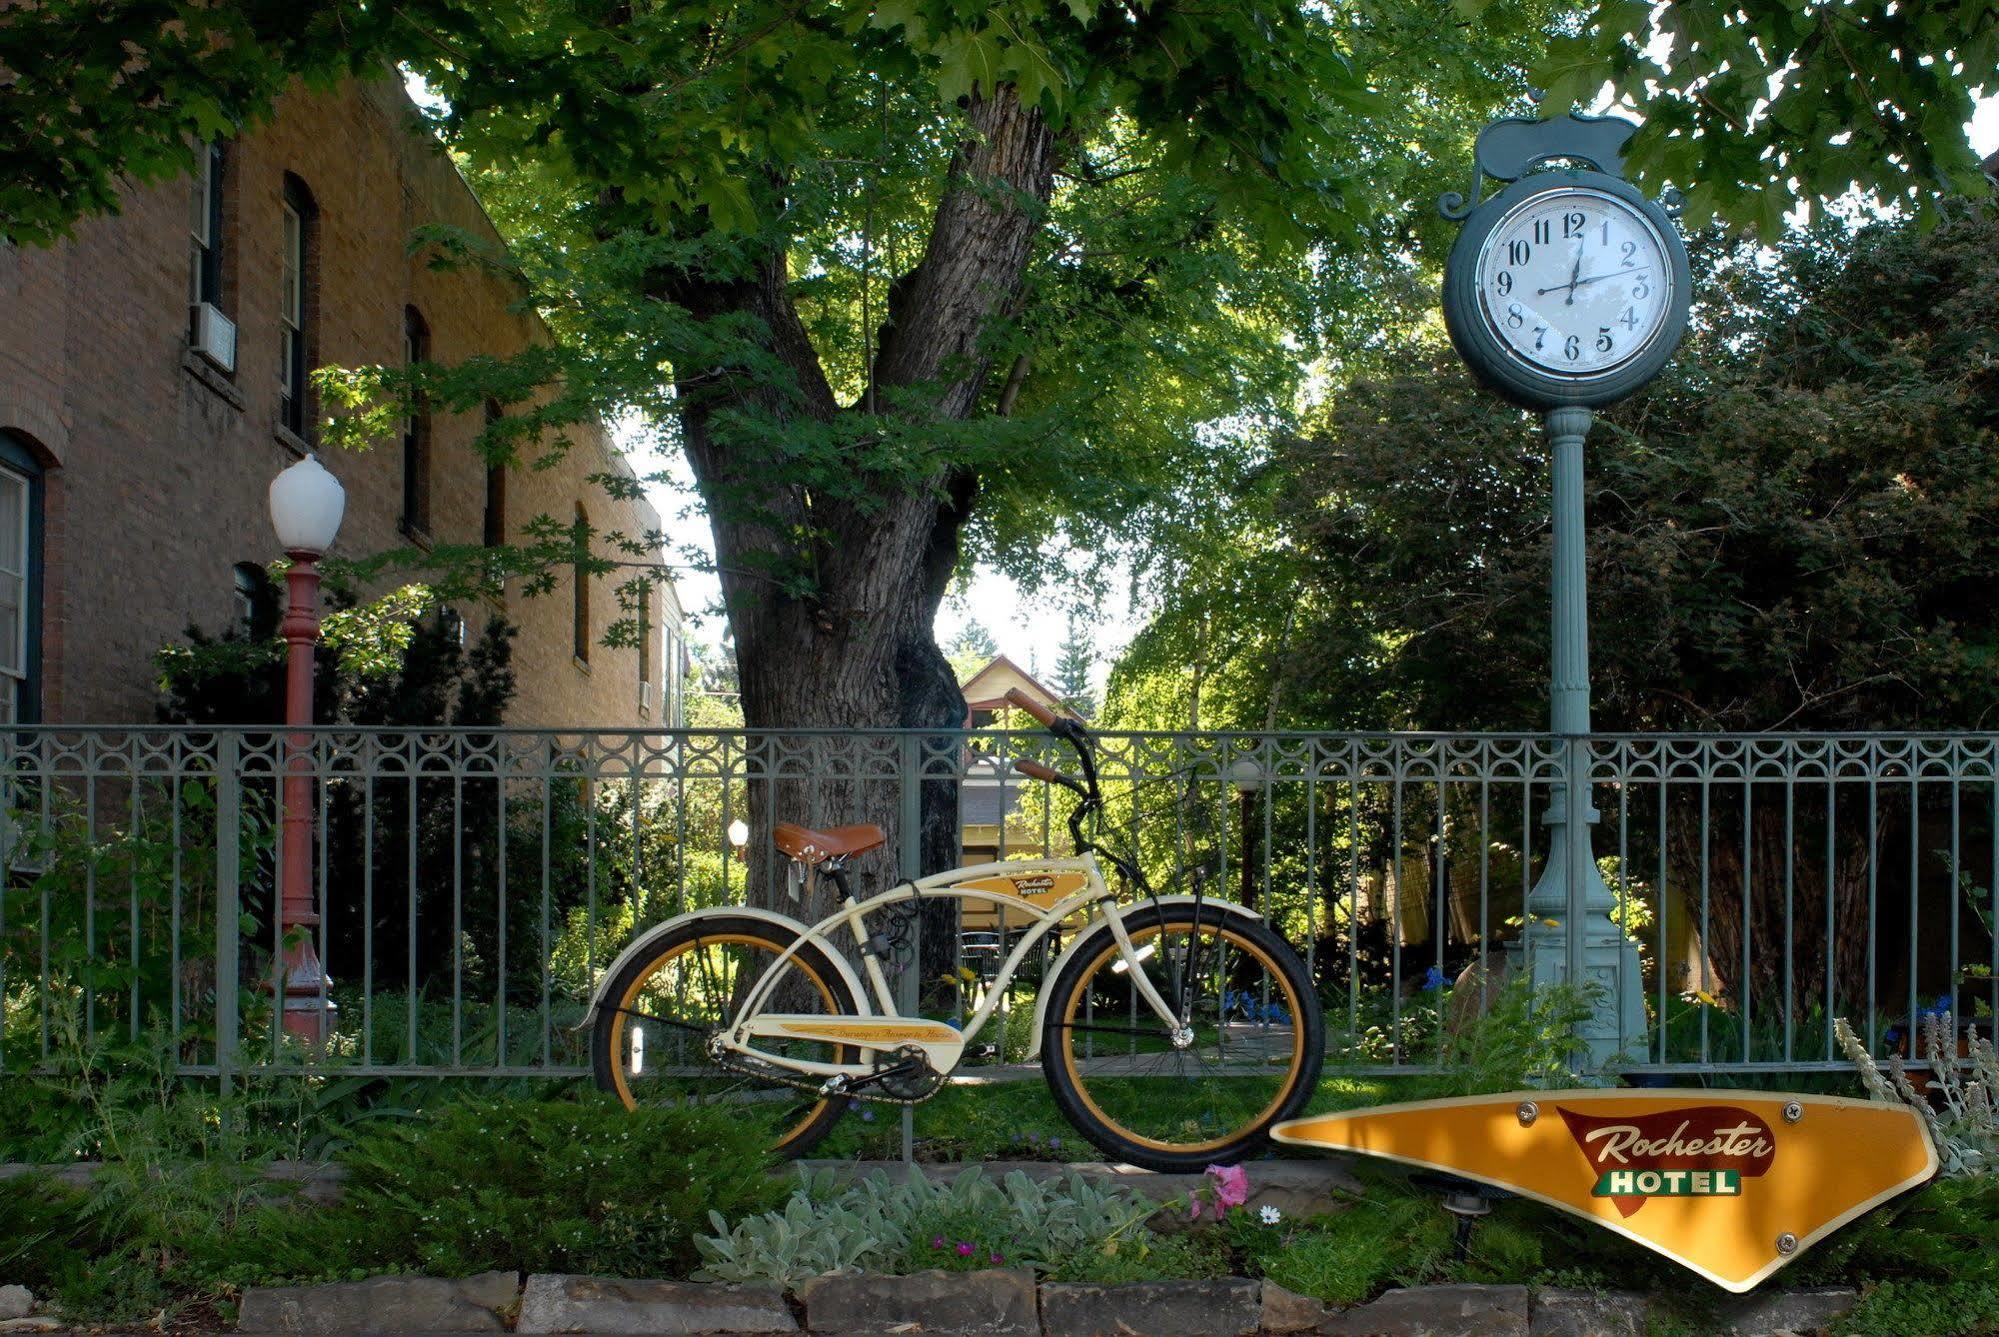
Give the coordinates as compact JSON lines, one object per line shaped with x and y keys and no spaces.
{"x":1071,"y":1092}
{"x":606,"y":1037}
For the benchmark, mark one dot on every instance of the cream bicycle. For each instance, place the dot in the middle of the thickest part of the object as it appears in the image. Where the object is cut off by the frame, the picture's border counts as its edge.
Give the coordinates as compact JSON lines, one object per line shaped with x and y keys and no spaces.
{"x":1139,"y":1024}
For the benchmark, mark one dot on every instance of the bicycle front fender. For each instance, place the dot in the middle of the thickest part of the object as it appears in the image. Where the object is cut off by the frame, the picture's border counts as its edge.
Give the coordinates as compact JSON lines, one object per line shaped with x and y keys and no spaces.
{"x":646,"y":940}
{"x":1092,"y":939}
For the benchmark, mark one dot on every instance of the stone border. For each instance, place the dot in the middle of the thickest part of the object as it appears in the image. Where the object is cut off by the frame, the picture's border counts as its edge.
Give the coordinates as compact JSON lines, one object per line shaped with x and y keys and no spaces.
{"x":998,"y":1303}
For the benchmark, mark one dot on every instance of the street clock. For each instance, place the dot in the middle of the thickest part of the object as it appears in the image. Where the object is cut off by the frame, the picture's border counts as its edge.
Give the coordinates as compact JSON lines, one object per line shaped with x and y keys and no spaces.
{"x":1568,"y":288}
{"x":1567,"y":291}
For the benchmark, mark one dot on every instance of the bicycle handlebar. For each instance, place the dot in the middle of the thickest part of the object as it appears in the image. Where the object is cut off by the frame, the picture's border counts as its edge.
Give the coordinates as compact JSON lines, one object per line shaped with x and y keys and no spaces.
{"x":1035,"y":770}
{"x":1072,"y":732}
{"x":1022,"y":701}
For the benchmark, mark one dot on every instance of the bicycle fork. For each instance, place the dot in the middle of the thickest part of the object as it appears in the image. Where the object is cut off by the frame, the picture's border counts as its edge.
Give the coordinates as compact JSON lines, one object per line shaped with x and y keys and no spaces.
{"x":1180,"y":1029}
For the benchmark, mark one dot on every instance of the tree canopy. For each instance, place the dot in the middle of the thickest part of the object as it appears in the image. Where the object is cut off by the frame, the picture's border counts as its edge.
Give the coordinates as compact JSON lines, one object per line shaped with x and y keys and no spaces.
{"x":913,"y":282}
{"x":1794,"y":528}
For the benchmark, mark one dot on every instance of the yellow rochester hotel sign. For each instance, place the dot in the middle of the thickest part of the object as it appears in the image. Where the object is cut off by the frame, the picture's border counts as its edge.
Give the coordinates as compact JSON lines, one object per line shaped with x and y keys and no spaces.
{"x":1733,"y":1184}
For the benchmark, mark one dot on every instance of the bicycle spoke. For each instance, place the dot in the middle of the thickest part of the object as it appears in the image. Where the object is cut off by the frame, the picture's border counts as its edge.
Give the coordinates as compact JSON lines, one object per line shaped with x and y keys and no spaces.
{"x":691,"y":989}
{"x":1203,"y":1091}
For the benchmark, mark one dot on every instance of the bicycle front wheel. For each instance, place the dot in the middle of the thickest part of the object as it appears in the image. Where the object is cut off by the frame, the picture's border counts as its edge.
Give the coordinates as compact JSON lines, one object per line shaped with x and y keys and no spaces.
{"x":1244,"y":1054}
{"x":650,"y":1045}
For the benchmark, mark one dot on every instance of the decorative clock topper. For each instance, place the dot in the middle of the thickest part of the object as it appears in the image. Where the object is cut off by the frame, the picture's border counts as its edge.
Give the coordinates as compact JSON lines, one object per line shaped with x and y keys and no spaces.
{"x":1568,"y":287}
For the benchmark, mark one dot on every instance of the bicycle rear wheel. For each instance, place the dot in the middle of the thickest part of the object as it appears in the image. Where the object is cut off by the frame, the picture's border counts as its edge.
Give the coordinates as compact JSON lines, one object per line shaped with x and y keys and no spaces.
{"x":650,"y":1042}
{"x":1247,"y":1054}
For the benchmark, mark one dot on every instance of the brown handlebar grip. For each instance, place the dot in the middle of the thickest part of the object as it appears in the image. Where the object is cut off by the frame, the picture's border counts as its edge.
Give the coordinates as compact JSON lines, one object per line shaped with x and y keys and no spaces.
{"x":1037,"y":771}
{"x":1022,"y":701}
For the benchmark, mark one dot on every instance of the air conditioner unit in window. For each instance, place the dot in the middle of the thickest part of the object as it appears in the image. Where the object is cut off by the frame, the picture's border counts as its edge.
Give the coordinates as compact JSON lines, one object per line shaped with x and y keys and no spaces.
{"x":213,"y":335}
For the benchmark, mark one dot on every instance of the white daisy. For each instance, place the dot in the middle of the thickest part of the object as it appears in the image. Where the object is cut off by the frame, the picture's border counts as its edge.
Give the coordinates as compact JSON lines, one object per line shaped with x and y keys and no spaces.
{"x":1271,"y":1216}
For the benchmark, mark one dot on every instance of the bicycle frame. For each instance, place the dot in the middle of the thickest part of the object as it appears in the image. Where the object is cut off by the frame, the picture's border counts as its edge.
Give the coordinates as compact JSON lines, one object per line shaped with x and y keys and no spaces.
{"x":942,"y":1045}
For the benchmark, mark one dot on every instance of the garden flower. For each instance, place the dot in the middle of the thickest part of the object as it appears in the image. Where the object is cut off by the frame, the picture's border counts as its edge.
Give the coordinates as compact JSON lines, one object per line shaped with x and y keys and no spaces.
{"x":1231,"y":1186}
{"x":996,"y":1259}
{"x":965,"y":1249}
{"x":936,"y":1241}
{"x":1271,"y":1216}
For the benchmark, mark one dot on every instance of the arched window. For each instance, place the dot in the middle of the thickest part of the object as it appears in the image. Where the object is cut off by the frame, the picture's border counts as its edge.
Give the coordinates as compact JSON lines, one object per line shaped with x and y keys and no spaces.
{"x":20,"y":582}
{"x":580,"y":592}
{"x":297,"y":302}
{"x":416,"y":431}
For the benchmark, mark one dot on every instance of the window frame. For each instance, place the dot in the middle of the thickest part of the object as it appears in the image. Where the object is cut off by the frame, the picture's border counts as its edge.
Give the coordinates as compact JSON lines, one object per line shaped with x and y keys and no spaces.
{"x":416,"y":443}
{"x":204,"y":276}
{"x":579,"y":611}
{"x":646,"y":696}
{"x":297,"y":217}
{"x":493,"y":528}
{"x":22,"y":696}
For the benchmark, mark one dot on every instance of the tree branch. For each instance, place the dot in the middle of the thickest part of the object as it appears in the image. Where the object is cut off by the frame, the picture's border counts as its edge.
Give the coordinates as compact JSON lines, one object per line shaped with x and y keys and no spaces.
{"x":980,"y":242}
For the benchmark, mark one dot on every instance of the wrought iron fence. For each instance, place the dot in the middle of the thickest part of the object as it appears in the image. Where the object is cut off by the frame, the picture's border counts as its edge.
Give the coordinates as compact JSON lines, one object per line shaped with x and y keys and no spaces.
{"x":475,"y":883}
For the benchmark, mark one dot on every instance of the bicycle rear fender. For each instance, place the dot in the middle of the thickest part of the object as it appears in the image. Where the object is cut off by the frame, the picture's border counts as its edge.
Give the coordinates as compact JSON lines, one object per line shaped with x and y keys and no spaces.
{"x":645,"y":941}
{"x":1093,"y":935}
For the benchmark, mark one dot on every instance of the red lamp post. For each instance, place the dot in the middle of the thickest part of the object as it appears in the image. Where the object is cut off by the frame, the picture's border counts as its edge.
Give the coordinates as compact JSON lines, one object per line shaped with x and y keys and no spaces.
{"x":307,"y":503}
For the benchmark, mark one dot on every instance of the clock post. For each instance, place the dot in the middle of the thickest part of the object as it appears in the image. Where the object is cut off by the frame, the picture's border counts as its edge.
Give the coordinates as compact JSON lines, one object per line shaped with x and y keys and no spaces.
{"x":1568,"y":290}
{"x":1569,"y":933}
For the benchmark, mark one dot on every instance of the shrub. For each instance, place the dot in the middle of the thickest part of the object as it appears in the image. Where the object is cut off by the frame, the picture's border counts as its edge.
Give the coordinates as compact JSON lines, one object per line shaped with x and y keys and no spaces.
{"x":1966,"y":1129}
{"x":1925,"y":1309}
{"x":1346,"y":1258}
{"x":42,"y":1232}
{"x":555,"y":1186}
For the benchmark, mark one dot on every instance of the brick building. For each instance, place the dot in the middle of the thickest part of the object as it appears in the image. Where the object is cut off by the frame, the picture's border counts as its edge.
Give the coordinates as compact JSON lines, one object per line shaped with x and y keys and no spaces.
{"x":136,"y":443}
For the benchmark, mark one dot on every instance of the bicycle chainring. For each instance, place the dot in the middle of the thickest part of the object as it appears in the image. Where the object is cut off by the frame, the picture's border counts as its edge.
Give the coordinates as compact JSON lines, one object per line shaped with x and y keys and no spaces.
{"x":905,"y":1076}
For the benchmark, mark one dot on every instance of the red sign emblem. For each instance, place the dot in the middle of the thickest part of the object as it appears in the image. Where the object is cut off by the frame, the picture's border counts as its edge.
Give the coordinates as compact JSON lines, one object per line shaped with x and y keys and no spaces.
{"x":1702,"y":1152}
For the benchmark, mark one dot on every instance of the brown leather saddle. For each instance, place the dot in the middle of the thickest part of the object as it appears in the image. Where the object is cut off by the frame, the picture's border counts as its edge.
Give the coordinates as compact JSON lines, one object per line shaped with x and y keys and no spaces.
{"x":812,"y":848}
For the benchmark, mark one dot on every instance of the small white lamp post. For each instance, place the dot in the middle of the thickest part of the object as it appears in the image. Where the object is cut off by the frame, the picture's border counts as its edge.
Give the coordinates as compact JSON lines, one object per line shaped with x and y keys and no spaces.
{"x":739,"y":836}
{"x":307,"y":503}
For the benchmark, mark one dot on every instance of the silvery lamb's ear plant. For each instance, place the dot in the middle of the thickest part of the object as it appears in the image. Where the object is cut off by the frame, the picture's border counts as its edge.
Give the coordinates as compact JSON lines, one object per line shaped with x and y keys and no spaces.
{"x":883,"y":1224}
{"x":800,"y":1240}
{"x":1966,"y":1130}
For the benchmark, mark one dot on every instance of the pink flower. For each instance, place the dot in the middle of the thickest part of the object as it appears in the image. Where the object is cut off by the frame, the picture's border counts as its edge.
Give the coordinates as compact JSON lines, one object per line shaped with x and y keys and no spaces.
{"x":965,"y":1250}
{"x":997,"y":1259}
{"x":1194,"y":1209}
{"x":1231,"y":1186}
{"x":936,"y":1241}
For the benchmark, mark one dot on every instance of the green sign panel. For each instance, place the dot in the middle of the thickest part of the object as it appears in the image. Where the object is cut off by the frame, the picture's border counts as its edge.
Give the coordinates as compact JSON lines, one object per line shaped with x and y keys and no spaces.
{"x":1669,"y":1184}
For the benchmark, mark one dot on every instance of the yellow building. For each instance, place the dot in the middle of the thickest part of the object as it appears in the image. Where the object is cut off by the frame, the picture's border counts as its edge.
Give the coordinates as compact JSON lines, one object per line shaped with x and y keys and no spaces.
{"x":988,"y":798}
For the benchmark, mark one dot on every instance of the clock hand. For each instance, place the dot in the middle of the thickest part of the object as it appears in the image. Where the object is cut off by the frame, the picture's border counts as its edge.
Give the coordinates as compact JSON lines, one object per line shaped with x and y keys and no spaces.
{"x":1612,"y":274}
{"x":1573,"y":275}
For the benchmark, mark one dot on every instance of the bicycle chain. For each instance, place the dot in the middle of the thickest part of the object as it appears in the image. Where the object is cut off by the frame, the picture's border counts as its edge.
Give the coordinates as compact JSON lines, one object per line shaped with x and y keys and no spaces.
{"x":776,"y":1077}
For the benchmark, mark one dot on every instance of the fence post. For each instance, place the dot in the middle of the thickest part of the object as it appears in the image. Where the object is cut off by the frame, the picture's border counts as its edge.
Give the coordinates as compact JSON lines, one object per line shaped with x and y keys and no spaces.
{"x":228,"y":869}
{"x":909,"y":983}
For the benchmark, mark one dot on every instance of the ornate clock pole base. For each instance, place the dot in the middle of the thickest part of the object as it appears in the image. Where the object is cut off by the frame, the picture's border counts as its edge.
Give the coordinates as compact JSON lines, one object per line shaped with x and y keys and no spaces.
{"x":1550,"y":943}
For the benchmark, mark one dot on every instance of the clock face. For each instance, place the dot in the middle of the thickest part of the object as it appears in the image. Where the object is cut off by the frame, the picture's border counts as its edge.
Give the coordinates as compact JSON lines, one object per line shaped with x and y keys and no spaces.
{"x":1575,"y":282}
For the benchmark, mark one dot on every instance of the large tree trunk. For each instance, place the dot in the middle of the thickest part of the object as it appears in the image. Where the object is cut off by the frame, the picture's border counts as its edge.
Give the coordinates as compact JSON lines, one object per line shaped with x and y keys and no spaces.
{"x":858,"y":652}
{"x":1749,"y":918}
